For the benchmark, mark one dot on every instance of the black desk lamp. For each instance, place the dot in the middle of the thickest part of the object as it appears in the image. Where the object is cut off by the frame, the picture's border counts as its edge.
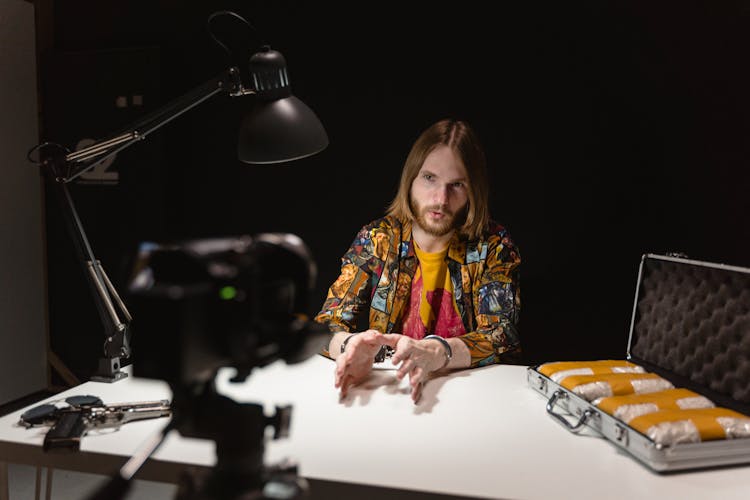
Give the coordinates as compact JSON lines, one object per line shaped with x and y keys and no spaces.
{"x":279,"y":128}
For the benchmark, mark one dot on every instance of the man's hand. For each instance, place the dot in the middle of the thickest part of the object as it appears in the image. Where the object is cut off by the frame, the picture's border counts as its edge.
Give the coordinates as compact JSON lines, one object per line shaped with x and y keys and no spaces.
{"x":355,"y":363}
{"x":418,"y":359}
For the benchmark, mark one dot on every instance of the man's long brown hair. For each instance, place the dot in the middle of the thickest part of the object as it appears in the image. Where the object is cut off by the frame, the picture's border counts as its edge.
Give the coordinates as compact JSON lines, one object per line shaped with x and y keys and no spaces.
{"x":459,"y":136}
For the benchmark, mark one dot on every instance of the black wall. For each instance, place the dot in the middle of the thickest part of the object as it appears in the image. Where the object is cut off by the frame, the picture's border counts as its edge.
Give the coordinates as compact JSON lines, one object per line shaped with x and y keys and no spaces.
{"x":611,"y":129}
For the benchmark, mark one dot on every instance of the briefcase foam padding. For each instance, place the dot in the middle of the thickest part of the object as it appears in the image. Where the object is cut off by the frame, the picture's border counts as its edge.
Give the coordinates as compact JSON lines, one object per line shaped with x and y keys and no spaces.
{"x":694,"y":321}
{"x":558,"y":370}
{"x":669,"y":427}
{"x":591,"y":387}
{"x":628,"y":407}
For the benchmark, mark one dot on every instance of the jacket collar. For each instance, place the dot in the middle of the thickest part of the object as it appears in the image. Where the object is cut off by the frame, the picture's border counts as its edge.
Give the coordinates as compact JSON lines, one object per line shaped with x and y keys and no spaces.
{"x":456,"y":245}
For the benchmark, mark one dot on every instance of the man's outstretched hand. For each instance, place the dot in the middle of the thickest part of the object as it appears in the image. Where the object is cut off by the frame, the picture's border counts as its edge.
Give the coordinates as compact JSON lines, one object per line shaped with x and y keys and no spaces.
{"x":355,"y":363}
{"x":417,"y":358}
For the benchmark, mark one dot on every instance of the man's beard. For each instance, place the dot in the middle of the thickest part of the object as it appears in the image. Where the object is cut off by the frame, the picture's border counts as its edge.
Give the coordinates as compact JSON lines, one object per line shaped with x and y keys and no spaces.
{"x":450,"y":222}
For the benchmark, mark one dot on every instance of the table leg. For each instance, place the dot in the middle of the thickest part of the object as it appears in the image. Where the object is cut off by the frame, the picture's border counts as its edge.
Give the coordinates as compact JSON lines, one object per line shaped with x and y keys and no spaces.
{"x":4,"y":495}
{"x":48,"y":494}
{"x":38,"y":488}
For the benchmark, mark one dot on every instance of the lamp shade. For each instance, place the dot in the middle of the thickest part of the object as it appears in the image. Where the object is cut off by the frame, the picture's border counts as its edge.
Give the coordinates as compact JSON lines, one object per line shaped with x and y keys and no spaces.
{"x":280,"y":130}
{"x":279,"y":127}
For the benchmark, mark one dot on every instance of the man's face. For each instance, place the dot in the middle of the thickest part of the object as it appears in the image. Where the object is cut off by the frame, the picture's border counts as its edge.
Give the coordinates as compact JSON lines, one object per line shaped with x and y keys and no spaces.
{"x":440,"y":192}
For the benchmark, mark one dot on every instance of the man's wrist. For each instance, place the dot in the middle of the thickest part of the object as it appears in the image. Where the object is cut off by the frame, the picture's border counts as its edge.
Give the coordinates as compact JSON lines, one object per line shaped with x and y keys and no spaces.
{"x":446,"y":348}
{"x":346,"y":340}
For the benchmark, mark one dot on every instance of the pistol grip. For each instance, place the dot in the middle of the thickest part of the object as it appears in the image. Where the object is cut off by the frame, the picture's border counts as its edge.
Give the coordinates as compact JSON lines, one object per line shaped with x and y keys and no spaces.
{"x":66,"y":433}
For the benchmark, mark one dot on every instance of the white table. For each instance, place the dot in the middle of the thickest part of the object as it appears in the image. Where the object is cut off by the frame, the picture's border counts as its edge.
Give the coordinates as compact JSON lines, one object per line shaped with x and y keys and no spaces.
{"x":477,"y":433}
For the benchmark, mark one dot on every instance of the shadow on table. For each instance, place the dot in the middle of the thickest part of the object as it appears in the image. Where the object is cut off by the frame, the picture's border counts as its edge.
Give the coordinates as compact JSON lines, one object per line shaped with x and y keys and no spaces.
{"x":362,"y":394}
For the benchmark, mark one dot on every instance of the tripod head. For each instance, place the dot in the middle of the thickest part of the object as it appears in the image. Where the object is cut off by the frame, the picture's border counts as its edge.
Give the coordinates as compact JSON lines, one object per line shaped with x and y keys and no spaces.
{"x":239,"y":430}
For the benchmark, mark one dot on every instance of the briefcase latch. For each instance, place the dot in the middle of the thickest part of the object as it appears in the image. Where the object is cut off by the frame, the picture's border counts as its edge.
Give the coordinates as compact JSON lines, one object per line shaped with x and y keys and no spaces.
{"x":542,"y":384}
{"x":621,"y":434}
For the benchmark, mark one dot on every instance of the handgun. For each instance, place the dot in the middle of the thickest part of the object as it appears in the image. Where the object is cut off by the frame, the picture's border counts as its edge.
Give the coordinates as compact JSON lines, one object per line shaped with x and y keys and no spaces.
{"x":71,"y":421}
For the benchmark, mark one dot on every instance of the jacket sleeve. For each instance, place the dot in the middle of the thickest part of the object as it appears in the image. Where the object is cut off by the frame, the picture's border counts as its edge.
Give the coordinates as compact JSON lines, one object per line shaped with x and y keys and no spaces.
{"x":351,"y":293}
{"x":497,"y":304}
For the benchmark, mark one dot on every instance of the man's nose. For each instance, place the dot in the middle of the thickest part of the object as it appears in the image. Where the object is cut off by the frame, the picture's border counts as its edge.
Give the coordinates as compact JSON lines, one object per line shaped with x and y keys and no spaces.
{"x":441,"y":195}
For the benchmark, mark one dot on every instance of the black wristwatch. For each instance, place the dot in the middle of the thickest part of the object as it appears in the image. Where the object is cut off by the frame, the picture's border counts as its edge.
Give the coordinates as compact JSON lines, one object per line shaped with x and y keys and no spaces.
{"x":346,"y":340}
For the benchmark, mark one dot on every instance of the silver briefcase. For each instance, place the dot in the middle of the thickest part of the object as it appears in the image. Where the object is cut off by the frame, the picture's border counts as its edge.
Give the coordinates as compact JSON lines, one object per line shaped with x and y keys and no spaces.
{"x":690,"y":329}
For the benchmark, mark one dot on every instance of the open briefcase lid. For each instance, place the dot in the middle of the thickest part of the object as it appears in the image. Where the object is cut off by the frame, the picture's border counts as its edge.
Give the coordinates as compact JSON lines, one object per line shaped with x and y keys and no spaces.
{"x":691,"y":324}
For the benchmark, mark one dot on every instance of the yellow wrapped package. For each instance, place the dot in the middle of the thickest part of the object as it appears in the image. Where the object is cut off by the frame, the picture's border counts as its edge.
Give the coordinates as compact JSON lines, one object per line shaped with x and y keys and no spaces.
{"x":669,"y":427}
{"x":631,"y":406}
{"x":591,"y":387}
{"x":558,"y":370}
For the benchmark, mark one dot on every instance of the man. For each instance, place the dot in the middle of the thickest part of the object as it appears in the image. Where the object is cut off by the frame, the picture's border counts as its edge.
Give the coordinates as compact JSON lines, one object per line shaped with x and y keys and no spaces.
{"x":437,"y":277}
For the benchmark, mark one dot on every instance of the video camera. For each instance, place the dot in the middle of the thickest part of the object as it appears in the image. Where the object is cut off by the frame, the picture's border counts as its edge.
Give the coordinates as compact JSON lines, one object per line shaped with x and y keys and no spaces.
{"x":238,"y":302}
{"x":204,"y":304}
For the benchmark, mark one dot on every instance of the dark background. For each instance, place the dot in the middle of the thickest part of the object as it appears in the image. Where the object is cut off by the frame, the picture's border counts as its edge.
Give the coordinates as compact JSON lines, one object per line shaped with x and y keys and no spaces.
{"x":611,"y":128}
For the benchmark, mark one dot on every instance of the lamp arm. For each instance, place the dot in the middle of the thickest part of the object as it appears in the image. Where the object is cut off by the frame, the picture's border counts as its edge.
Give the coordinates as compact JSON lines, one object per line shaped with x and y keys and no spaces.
{"x":83,"y":160}
{"x":111,"y":309}
{"x":62,"y":169}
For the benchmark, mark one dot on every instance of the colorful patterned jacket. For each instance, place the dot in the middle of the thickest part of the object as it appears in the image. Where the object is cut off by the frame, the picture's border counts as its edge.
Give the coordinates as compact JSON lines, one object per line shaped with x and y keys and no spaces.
{"x":377,"y":271}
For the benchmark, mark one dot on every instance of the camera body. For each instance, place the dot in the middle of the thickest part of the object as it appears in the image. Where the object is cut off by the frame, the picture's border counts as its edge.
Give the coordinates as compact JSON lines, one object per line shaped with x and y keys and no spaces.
{"x":203,"y":304}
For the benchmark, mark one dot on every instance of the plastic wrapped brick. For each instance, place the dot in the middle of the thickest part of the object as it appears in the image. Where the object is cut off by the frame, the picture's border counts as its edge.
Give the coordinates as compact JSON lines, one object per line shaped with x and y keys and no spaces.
{"x":558,"y":370}
{"x":669,"y":427}
{"x":591,"y":387}
{"x":631,"y":406}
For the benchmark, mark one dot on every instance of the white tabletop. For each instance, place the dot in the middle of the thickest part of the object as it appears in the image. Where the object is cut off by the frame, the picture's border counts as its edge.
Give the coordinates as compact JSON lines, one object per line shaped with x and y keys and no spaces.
{"x":481,"y":433}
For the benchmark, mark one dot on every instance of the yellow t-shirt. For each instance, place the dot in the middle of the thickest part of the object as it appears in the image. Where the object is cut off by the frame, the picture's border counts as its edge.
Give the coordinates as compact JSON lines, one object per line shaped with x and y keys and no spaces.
{"x":432,"y":306}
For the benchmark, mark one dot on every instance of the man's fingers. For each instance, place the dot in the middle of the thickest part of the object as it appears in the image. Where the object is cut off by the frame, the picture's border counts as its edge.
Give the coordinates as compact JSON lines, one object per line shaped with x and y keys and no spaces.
{"x":341,"y":364}
{"x":416,"y":393}
{"x":347,"y":382}
{"x":417,"y":380}
{"x":416,"y":376}
{"x":390,"y":339}
{"x":403,"y":352}
{"x":372,"y":337}
{"x":405,"y":368}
